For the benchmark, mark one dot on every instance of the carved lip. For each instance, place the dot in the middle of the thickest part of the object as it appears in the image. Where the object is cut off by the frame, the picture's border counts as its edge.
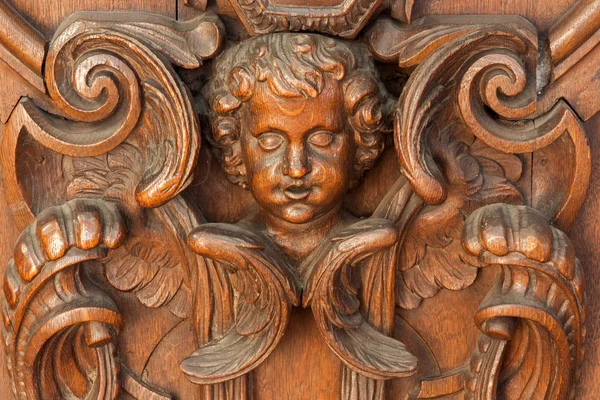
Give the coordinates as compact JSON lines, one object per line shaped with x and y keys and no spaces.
{"x":297,"y":192}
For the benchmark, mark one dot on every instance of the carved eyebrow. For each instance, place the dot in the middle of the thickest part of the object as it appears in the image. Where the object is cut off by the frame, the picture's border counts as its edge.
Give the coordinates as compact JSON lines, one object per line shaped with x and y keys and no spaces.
{"x":269,"y":130}
{"x":324,"y":129}
{"x":338,"y":130}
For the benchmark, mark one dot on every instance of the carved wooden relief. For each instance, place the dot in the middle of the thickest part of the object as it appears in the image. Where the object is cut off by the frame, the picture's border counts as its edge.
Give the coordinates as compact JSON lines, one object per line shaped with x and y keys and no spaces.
{"x":209,"y":205}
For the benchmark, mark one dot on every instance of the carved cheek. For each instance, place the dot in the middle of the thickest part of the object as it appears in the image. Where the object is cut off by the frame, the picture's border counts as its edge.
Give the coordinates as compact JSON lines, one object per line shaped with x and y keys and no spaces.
{"x":254,"y":158}
{"x":265,"y":168}
{"x":263,"y":172}
{"x":330,"y":173}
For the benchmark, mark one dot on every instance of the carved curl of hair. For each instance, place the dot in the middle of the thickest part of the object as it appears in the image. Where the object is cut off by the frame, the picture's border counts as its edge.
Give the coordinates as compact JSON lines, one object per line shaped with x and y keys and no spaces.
{"x":294,"y":65}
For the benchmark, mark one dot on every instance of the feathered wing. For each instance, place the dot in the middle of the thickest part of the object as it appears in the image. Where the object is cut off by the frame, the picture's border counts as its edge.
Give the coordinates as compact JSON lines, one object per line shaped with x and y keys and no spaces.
{"x":432,"y":256}
{"x":458,"y":173}
{"x":154,"y":262}
{"x":333,"y":293}
{"x":264,"y":291}
{"x":153,"y":163}
{"x":472,"y":91}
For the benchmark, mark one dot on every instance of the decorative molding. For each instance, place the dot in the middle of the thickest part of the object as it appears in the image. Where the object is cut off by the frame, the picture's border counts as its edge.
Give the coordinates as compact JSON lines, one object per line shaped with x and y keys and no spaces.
{"x":346,"y":18}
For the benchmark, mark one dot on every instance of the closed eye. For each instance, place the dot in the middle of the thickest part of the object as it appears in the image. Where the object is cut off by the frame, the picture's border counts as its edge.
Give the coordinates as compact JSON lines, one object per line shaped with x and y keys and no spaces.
{"x":270,"y":141}
{"x":321,"y":138}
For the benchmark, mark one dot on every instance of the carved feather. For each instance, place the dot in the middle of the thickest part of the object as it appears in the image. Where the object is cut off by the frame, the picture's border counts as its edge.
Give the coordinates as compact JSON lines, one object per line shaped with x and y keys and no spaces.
{"x":332,"y":292}
{"x":431,"y":256}
{"x":450,"y":170}
{"x":265,"y":292}
{"x":153,"y":262}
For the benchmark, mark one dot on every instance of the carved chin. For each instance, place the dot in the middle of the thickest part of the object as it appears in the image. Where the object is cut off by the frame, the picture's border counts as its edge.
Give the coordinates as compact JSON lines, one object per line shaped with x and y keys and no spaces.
{"x":298,"y":213}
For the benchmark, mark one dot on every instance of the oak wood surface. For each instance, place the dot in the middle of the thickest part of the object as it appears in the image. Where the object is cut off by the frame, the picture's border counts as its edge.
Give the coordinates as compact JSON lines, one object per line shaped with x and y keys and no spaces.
{"x":542,"y":14}
{"x":586,"y":234}
{"x":46,"y":16}
{"x":302,"y":363}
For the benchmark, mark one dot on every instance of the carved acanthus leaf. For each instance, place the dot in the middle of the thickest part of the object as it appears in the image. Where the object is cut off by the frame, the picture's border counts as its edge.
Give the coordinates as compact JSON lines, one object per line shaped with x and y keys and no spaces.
{"x":112,"y":77}
{"x":541,"y":287}
{"x":57,"y":314}
{"x":486,"y":75}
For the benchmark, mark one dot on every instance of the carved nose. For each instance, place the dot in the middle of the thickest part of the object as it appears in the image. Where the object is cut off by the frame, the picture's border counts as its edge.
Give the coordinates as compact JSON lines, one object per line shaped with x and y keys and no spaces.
{"x":297,"y":164}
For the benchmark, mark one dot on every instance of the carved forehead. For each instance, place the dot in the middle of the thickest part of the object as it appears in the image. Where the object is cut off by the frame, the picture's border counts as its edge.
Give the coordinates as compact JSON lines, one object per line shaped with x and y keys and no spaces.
{"x":267,"y":111}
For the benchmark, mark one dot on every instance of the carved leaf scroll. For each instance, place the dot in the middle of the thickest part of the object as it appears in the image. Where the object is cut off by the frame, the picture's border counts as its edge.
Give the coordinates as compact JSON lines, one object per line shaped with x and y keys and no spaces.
{"x":538,"y":300}
{"x":48,"y":302}
{"x":468,"y":71}
{"x":551,"y":308}
{"x":57,"y":309}
{"x":130,"y":137}
{"x":104,"y":72}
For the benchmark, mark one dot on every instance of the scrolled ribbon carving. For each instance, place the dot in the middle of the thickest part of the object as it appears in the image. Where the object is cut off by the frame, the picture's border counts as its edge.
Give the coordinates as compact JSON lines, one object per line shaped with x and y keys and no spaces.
{"x":61,"y":312}
{"x":54,"y":317}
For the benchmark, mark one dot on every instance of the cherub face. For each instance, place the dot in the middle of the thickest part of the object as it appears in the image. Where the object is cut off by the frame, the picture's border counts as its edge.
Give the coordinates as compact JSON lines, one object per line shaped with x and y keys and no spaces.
{"x":298,"y":152}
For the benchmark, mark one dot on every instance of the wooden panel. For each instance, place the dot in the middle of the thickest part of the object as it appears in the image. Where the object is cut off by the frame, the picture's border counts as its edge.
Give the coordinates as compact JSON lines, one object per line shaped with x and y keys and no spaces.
{"x":540,"y":13}
{"x":586,"y":239}
{"x":47,"y":15}
{"x":459,"y":256}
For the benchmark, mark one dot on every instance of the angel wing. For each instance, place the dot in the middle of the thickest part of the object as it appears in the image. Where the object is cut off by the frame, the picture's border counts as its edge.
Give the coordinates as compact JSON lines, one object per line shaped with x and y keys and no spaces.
{"x":431,"y":256}
{"x":265,"y":292}
{"x":480,"y":80}
{"x":332,"y":293}
{"x":154,"y":263}
{"x":452,"y":167}
{"x":147,"y":157}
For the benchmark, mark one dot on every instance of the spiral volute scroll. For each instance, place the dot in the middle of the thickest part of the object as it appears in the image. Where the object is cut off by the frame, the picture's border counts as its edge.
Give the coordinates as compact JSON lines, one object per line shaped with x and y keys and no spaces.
{"x":549,"y":306}
{"x":111,"y":80}
{"x":91,"y":79}
{"x":485,"y":76}
{"x":109,"y":75}
{"x":501,"y":82}
{"x":431,"y":91}
{"x":60,"y":312}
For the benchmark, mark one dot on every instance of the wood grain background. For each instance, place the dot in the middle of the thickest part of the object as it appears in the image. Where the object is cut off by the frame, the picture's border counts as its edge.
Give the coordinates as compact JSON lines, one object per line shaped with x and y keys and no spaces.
{"x":47,"y":14}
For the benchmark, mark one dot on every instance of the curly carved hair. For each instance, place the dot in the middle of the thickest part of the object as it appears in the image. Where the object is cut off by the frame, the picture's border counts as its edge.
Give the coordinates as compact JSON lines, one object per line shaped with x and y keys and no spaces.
{"x":294,"y":65}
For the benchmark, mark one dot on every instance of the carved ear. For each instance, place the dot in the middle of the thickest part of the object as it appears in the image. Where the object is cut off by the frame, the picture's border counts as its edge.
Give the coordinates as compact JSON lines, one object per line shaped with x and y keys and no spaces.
{"x":104,"y":77}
